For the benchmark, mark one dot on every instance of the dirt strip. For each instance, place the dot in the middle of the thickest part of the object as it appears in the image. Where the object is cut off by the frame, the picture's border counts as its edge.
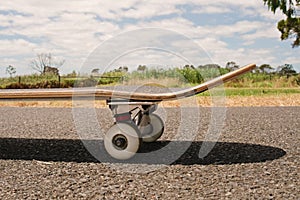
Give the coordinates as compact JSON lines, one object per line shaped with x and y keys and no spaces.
{"x":231,"y":101}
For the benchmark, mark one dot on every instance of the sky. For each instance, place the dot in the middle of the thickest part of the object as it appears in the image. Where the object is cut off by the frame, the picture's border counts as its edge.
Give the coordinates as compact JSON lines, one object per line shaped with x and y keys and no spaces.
{"x":71,"y":30}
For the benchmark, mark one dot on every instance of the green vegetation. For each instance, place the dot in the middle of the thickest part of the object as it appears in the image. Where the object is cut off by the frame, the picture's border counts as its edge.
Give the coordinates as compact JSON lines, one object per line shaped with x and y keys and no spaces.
{"x":262,"y":81}
{"x":288,"y":27}
{"x":256,"y":91}
{"x":259,"y":80}
{"x":31,"y":81}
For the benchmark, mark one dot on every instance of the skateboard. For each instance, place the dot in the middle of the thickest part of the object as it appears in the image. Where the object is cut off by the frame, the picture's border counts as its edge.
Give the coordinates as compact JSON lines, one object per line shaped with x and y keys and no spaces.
{"x":135,"y":121}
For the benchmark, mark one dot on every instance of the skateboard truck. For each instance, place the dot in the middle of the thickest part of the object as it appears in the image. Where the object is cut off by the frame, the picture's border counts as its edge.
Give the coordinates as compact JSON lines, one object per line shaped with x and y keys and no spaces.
{"x":135,"y":123}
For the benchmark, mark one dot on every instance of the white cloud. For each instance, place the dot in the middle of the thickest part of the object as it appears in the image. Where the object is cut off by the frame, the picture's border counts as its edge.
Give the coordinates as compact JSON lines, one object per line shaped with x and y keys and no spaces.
{"x":292,"y":59}
{"x":213,"y":9}
{"x":73,"y":28}
{"x":15,"y":47}
{"x":263,"y":32}
{"x":241,"y":27}
{"x":156,"y":8}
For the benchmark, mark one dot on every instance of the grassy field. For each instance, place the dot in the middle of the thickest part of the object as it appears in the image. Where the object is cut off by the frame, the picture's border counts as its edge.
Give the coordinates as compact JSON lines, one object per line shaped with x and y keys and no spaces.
{"x":257,"y":91}
{"x":250,"y":84}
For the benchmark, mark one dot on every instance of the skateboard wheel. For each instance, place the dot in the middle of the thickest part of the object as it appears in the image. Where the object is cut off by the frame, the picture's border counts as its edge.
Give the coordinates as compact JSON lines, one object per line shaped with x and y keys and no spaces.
{"x":122,"y":141}
{"x":157,"y":129}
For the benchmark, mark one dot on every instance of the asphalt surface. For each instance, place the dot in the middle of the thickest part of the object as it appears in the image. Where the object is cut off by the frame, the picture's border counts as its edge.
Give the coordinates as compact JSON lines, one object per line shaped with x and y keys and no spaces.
{"x":256,"y":156}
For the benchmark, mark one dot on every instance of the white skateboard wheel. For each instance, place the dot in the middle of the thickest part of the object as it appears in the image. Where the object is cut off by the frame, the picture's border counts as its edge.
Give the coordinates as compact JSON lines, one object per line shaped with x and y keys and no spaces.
{"x":157,"y":129}
{"x":122,"y":141}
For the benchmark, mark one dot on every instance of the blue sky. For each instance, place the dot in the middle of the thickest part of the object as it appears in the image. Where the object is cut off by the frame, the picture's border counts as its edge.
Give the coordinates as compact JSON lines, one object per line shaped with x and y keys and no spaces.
{"x":240,"y":31}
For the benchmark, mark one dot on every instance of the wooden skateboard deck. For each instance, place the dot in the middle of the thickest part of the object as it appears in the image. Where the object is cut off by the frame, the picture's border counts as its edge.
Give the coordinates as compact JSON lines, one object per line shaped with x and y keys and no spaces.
{"x":108,"y":94}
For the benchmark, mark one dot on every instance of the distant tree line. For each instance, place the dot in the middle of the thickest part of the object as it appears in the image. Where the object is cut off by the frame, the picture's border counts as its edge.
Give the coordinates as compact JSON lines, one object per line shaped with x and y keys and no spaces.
{"x":196,"y":75}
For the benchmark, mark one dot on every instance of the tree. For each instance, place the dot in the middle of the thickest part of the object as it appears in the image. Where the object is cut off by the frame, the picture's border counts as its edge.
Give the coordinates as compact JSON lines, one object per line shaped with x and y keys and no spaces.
{"x":289,"y":27}
{"x":189,"y":66}
{"x":122,"y":69}
{"x":265,"y":68}
{"x":11,"y":70}
{"x":51,"y":71}
{"x":43,"y":60}
{"x":209,"y":71}
{"x":72,"y":74}
{"x":142,"y":68}
{"x":210,"y":66}
{"x":190,"y":74}
{"x":286,"y":69}
{"x":231,"y":66}
{"x":95,"y":71}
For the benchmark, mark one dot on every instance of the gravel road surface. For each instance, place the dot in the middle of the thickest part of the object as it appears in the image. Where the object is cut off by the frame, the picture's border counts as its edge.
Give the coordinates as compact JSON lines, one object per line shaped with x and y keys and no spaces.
{"x":256,"y":157}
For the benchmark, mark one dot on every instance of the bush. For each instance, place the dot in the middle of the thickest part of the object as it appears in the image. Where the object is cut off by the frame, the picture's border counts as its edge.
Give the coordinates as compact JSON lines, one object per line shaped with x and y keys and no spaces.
{"x":89,"y":82}
{"x":189,"y":75}
{"x":68,"y":83}
{"x":42,"y":84}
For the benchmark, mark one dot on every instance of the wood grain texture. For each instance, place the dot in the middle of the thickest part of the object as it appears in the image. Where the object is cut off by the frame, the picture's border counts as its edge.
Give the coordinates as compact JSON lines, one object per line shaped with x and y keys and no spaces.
{"x":108,"y":94}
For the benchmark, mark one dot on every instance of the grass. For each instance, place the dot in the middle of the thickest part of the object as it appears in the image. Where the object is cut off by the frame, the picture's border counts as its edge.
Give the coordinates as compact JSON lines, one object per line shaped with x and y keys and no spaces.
{"x":158,"y":82}
{"x":28,"y":81}
{"x":256,"y":91}
{"x":250,"y":84}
